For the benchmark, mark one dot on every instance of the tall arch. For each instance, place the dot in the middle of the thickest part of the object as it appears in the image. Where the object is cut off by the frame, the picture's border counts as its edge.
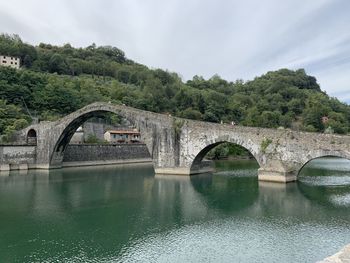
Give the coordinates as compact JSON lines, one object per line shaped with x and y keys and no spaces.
{"x":70,"y":129}
{"x":149,"y":124}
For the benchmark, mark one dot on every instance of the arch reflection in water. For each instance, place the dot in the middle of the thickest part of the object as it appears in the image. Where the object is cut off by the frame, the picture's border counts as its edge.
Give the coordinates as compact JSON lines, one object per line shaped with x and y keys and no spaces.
{"x":222,"y":149}
{"x":124,"y":213}
{"x":61,"y":215}
{"x":232,"y":188}
{"x":326,"y":181}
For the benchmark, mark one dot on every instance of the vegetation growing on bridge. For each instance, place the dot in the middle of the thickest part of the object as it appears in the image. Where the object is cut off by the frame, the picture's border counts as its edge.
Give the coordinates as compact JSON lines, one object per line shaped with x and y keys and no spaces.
{"x":264,"y":144}
{"x":225,"y":150}
{"x":177,"y":125}
{"x":55,"y":81}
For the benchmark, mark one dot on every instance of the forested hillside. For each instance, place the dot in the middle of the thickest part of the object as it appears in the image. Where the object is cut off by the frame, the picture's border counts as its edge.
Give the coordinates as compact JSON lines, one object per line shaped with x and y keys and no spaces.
{"x":55,"y":81}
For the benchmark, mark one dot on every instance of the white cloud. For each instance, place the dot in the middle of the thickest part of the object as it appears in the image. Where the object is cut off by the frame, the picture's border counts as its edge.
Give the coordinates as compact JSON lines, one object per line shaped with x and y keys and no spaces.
{"x":233,"y":39}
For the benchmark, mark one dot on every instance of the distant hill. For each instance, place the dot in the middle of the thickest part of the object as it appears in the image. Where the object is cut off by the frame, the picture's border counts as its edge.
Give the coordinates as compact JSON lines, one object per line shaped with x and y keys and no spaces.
{"x":56,"y":80}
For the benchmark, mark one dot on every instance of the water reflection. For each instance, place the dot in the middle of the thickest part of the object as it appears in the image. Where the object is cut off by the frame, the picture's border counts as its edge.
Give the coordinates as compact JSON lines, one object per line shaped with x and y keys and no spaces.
{"x":228,"y":192}
{"x":327,"y":182}
{"x":176,"y":199}
{"x":125,"y":213}
{"x":233,"y":187}
{"x":65,"y":213}
{"x":238,"y":191}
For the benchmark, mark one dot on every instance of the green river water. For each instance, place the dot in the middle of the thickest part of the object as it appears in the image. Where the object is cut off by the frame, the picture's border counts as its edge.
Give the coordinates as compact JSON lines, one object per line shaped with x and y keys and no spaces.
{"x":127,"y":214}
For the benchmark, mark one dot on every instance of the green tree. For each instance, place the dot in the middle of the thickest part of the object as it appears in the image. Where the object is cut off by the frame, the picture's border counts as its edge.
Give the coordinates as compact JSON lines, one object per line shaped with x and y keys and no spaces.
{"x":190,"y":113}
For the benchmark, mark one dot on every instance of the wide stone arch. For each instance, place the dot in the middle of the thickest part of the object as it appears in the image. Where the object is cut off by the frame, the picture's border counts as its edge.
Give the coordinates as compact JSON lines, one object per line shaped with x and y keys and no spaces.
{"x":149,"y":124}
{"x":319,"y":154}
{"x":249,"y":145}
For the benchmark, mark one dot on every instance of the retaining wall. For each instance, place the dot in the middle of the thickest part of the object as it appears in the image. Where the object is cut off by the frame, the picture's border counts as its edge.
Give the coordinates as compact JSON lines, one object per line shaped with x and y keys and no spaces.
{"x":22,"y":157}
{"x":93,"y":154}
{"x":14,"y":157}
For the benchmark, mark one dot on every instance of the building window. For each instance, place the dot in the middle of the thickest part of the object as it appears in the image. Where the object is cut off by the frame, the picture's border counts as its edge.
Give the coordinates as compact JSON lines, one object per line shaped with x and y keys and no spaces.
{"x":4,"y":61}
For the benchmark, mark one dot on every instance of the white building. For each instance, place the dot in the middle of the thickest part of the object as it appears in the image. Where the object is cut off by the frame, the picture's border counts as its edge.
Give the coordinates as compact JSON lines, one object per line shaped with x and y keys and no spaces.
{"x":122,"y":136}
{"x":78,"y":136}
{"x":13,"y":62}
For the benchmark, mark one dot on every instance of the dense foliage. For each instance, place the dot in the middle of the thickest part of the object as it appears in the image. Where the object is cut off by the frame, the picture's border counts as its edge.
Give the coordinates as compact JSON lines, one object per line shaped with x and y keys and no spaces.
{"x":225,"y":150}
{"x":55,"y":81}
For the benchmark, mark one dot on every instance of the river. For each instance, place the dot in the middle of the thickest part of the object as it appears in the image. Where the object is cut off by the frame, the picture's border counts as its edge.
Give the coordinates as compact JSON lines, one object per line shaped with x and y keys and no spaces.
{"x":127,"y":214}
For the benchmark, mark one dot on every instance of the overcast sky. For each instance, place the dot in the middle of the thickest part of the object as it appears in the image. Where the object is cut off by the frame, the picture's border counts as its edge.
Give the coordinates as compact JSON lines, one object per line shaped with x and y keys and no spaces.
{"x":235,"y":39}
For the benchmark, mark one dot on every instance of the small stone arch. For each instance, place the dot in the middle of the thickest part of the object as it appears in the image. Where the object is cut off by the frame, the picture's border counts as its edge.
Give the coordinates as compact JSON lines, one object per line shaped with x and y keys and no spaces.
{"x":31,"y":137}
{"x":322,"y":154}
{"x":197,"y":166}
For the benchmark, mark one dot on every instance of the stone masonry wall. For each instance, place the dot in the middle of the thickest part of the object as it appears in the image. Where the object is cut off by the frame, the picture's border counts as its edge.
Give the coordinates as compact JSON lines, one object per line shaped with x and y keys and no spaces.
{"x":91,"y":128}
{"x":15,"y":155}
{"x":104,"y":152}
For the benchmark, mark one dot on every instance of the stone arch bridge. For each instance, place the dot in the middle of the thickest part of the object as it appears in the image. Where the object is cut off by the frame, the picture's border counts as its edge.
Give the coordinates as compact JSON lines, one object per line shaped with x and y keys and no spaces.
{"x":177,"y":145}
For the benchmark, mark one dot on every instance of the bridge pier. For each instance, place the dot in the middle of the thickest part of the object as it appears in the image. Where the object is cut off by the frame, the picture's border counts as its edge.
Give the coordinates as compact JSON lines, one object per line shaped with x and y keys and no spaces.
{"x":183,"y":170}
{"x":276,"y":175}
{"x":4,"y":167}
{"x":172,"y":171}
{"x":47,"y":166}
{"x":264,"y":174}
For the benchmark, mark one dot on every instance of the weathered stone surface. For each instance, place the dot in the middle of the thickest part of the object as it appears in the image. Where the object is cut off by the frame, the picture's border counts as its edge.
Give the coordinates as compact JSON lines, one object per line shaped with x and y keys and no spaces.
{"x":91,"y":128}
{"x":16,"y":155}
{"x":92,"y":154}
{"x":343,"y":256}
{"x":4,"y":167}
{"x":179,"y":144}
